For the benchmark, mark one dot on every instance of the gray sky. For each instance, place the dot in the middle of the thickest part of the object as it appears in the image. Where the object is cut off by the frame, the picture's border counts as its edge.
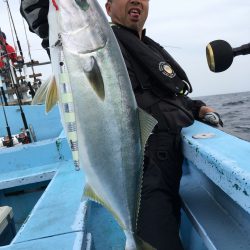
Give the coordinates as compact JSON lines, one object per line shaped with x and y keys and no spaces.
{"x":184,"y":28}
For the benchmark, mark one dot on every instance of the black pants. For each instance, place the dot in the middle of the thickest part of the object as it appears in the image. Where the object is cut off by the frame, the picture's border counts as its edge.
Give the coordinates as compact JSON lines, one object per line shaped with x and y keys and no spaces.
{"x":159,"y":216}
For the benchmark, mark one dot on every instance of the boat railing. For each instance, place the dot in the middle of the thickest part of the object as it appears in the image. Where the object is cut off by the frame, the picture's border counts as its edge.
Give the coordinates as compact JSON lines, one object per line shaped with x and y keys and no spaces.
{"x":215,"y":190}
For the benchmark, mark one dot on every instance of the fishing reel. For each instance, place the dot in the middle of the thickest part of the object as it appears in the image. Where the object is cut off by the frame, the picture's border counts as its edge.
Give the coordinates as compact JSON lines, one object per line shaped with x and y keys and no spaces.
{"x":23,"y":138}
{"x":220,"y":54}
{"x":7,"y":142}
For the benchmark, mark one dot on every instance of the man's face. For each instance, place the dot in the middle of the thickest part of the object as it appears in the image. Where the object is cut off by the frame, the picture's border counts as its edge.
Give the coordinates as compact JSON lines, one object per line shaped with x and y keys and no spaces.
{"x":129,"y":13}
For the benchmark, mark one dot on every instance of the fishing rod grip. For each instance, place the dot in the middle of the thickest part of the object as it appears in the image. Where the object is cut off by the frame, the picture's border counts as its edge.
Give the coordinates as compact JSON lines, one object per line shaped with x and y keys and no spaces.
{"x":26,"y":126}
{"x":20,"y":50}
{"x":4,"y":96}
{"x":9,"y":133}
{"x":9,"y":142}
{"x":24,"y":120}
{"x":3,"y":92}
{"x":32,"y":92}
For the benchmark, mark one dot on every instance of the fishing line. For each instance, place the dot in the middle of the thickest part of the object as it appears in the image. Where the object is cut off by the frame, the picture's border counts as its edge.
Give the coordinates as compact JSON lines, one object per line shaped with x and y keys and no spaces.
{"x":28,"y":44}
{"x":13,"y":24}
{"x":171,"y":46}
{"x":11,"y":30}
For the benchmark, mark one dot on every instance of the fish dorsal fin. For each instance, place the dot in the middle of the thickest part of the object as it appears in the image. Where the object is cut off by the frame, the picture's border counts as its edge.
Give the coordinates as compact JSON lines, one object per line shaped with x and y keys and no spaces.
{"x":147,"y":124}
{"x":89,"y":192}
{"x":95,"y":78}
{"x":52,"y":95}
{"x":40,"y":96}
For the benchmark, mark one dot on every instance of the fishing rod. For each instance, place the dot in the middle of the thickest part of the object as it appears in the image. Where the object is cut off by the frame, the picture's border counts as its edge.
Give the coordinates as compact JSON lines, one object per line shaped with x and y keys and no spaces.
{"x":3,"y":94}
{"x":2,"y":55}
{"x":32,"y":92}
{"x":13,"y":27}
{"x":9,"y":142}
{"x":13,"y":24}
{"x":20,"y":105}
{"x":28,"y":44}
{"x":13,"y":79}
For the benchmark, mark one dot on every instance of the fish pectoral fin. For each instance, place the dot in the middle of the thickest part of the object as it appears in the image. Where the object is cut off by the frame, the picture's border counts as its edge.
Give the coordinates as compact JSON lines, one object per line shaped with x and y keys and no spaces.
{"x":52,"y":95}
{"x":94,"y":76}
{"x":147,"y":124}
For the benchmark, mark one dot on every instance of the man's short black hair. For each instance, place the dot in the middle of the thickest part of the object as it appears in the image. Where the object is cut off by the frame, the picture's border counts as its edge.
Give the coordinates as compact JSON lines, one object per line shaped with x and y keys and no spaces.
{"x":2,"y":34}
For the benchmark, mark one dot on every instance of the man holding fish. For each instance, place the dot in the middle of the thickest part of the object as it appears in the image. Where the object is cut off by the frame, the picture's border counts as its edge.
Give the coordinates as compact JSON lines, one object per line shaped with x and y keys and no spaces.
{"x":160,"y":87}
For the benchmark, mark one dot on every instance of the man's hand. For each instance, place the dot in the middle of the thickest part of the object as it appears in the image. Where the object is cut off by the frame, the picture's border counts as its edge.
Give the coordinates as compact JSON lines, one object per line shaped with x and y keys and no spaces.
{"x":203,"y":110}
{"x":35,"y":12}
{"x":208,"y":115}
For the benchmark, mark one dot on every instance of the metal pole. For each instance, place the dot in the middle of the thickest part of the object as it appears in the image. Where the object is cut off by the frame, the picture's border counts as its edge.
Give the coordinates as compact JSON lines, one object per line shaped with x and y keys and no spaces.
{"x":10,"y":144}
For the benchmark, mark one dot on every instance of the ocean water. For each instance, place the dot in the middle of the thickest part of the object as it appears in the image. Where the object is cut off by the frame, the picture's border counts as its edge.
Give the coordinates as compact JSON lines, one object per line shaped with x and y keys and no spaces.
{"x":234,"y":110}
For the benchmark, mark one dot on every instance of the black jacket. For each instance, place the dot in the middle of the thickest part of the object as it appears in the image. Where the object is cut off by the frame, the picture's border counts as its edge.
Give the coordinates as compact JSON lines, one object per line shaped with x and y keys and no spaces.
{"x":172,"y":109}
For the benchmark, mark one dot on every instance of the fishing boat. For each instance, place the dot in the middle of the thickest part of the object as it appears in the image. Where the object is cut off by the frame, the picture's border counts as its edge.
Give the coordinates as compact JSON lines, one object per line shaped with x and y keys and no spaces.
{"x":41,"y":194}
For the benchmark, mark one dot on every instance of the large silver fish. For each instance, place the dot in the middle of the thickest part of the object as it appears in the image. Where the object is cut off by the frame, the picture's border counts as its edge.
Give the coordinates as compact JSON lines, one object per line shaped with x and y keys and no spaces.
{"x":106,"y":130}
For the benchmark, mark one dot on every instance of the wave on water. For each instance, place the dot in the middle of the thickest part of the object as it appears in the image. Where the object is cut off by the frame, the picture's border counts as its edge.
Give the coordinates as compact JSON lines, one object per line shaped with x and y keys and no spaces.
{"x":234,"y":111}
{"x":243,"y":128}
{"x":233,"y":103}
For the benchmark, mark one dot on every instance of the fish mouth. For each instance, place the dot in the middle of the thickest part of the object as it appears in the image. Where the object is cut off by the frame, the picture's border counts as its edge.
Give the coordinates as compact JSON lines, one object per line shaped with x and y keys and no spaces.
{"x":92,"y":50}
{"x":81,"y":45}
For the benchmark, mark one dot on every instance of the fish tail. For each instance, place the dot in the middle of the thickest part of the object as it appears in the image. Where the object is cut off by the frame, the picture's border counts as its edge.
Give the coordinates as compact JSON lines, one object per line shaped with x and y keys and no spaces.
{"x":134,"y":242}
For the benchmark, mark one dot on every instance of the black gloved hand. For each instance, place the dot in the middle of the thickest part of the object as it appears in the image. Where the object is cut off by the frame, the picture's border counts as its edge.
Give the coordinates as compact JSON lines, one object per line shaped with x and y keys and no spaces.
{"x":35,"y":12}
{"x":213,"y":118}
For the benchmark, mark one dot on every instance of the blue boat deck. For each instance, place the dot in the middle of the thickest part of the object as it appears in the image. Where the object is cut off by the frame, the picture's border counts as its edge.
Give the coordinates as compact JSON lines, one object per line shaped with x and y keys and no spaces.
{"x":215,"y":191}
{"x":60,"y":219}
{"x":57,"y":219}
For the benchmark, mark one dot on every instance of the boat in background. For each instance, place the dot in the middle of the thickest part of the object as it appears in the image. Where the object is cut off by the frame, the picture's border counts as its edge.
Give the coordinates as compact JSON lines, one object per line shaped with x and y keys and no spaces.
{"x":19,"y":79}
{"x":17,"y":85}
